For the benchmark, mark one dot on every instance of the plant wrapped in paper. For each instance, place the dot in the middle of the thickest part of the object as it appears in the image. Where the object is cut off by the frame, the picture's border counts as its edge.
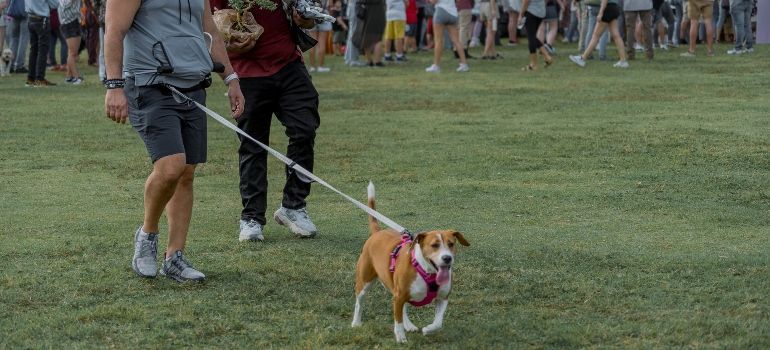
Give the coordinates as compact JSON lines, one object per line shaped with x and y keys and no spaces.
{"x":237,"y":25}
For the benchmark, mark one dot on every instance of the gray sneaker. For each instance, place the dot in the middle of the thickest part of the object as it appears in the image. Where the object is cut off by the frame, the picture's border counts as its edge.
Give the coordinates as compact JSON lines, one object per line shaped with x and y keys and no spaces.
{"x":178,"y":269}
{"x":297,"y":221}
{"x":145,"y":262}
{"x":251,"y":230}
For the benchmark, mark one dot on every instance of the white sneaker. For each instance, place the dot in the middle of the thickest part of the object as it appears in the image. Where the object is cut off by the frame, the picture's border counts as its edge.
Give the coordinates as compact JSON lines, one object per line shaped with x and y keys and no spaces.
{"x":621,"y":64}
{"x":736,"y":51}
{"x":463,"y":67}
{"x":475,"y":42}
{"x":323,"y":69}
{"x":638,"y":47}
{"x":251,"y":230}
{"x":311,"y":69}
{"x":664,"y":47}
{"x":433,"y":69}
{"x":577,"y":60}
{"x":297,"y":221}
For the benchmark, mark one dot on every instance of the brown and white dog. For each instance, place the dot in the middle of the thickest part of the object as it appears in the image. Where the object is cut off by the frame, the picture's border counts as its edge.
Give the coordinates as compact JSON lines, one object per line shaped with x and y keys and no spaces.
{"x":433,"y":252}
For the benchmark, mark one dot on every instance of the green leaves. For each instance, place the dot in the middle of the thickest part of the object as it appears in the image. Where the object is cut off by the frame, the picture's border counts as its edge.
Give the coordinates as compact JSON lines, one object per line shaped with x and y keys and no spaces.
{"x":244,"y":5}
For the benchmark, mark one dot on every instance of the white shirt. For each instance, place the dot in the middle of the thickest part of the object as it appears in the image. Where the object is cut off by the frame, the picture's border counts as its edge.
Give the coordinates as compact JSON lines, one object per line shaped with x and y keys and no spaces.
{"x":396,"y":10}
{"x":448,"y":6}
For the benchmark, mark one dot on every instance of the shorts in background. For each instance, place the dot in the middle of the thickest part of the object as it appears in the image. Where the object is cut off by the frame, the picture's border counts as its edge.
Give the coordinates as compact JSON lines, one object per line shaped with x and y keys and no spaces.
{"x":70,"y":30}
{"x":395,"y":29}
{"x":486,"y":12}
{"x":698,"y":9}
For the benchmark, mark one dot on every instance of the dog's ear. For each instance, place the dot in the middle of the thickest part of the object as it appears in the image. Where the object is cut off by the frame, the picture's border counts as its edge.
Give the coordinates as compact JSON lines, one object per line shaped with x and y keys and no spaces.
{"x":420,"y":237}
{"x":460,"y":238}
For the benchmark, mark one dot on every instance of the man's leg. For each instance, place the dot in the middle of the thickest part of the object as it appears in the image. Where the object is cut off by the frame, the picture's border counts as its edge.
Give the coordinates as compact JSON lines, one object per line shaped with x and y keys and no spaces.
{"x":298,"y":112}
{"x":160,"y":187}
{"x":256,"y":119}
{"x":693,"y":34}
{"x":647,"y":34}
{"x":630,"y":37}
{"x":179,"y":210}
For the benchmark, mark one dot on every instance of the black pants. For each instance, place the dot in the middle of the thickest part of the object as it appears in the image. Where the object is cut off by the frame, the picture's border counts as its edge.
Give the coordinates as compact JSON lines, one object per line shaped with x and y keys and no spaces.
{"x":39,"y":40}
{"x":532,"y":24}
{"x":290,"y":95}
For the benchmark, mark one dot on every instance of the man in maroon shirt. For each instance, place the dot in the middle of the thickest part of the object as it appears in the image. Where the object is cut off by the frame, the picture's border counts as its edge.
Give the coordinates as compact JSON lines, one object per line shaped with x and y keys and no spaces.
{"x":274,"y":80}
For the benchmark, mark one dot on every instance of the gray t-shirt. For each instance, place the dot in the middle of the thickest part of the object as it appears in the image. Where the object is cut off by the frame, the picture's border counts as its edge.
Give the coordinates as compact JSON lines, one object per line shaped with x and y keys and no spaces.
{"x":165,"y":33}
{"x":535,"y":7}
{"x":637,"y":5}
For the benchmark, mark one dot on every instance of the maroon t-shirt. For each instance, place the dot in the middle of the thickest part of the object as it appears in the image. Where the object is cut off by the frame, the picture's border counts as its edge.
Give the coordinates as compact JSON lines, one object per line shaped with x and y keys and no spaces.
{"x":275,"y":47}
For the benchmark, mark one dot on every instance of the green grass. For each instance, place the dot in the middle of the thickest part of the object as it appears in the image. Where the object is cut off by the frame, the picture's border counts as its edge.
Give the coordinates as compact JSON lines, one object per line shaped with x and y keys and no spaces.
{"x":605,"y":209}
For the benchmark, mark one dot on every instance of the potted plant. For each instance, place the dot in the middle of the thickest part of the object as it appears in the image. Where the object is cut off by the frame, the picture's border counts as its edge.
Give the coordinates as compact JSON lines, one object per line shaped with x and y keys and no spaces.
{"x":237,"y":25}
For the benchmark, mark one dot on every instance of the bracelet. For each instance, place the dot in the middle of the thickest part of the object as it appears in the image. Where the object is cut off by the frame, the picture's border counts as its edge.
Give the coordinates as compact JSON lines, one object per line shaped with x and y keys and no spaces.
{"x":229,"y":79}
{"x":114,"y":83}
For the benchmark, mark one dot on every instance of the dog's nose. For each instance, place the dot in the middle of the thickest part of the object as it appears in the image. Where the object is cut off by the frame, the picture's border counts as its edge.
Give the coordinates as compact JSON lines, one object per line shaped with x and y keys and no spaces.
{"x":447,"y":259}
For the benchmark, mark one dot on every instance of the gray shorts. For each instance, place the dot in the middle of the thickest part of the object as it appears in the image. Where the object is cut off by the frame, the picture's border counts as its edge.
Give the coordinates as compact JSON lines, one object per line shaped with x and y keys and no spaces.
{"x":441,"y":16}
{"x":166,"y":126}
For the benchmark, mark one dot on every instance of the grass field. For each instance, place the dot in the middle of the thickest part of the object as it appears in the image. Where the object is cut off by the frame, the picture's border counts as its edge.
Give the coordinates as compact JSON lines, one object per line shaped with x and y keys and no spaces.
{"x":605,"y":209}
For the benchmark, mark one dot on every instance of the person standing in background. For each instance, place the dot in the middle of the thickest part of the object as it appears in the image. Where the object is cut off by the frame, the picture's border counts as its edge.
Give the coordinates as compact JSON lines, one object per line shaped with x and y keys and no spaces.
{"x":38,"y":12}
{"x":69,"y":17}
{"x":638,"y":10}
{"x":18,"y":35}
{"x":698,"y":9}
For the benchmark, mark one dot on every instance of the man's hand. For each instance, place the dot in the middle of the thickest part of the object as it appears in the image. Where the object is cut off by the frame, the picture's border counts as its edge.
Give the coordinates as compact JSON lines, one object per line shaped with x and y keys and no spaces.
{"x":236,"y":99}
{"x":116,"y":105}
{"x":301,"y":21}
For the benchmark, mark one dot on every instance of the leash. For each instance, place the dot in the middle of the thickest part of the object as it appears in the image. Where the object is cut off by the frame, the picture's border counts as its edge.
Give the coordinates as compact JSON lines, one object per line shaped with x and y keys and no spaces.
{"x":309,"y":177}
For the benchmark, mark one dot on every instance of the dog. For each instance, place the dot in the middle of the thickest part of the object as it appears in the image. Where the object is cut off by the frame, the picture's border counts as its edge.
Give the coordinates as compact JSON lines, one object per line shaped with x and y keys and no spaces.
{"x":5,"y":62}
{"x":415,"y":271}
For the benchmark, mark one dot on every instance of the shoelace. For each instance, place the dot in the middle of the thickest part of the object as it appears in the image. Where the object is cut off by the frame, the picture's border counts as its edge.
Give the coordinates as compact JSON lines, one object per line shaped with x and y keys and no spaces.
{"x":148,"y":247}
{"x":181,"y":264}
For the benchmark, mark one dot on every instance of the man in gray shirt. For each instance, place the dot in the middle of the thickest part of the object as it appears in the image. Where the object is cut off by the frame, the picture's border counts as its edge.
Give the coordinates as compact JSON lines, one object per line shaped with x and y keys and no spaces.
{"x":164,"y":46}
{"x":638,"y":10}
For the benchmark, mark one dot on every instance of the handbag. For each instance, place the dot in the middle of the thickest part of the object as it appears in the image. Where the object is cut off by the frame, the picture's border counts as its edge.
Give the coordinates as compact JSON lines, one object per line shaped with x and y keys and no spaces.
{"x":303,"y":40}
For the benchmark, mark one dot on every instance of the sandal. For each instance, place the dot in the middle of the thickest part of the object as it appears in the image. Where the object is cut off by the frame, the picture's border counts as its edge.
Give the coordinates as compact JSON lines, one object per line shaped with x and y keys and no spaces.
{"x":528,"y":68}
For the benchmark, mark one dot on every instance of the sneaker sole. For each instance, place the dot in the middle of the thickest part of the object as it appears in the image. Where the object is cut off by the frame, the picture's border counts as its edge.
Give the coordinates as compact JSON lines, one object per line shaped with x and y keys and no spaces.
{"x":298,"y":231}
{"x":259,"y":238}
{"x":136,"y":270}
{"x":182,"y":280}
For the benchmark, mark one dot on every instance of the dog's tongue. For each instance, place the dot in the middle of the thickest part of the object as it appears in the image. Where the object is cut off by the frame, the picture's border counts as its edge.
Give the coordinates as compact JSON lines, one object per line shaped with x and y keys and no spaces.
{"x":442,"y":277}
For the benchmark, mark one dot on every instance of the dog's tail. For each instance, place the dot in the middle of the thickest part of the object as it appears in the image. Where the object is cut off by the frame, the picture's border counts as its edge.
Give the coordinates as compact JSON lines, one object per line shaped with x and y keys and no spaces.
{"x":373,"y":225}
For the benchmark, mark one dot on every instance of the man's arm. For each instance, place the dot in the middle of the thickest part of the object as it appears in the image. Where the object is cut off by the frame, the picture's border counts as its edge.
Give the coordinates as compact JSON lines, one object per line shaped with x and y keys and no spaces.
{"x":219,"y":54}
{"x":118,"y":19}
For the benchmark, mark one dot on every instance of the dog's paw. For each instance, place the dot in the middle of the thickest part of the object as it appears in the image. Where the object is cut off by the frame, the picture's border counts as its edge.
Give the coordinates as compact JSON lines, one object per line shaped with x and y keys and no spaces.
{"x":410,"y":327}
{"x":430,"y":329}
{"x":398,"y":330}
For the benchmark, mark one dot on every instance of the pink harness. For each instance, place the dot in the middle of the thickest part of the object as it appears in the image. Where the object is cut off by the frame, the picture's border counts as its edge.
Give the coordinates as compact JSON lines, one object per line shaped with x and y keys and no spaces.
{"x":429,"y":278}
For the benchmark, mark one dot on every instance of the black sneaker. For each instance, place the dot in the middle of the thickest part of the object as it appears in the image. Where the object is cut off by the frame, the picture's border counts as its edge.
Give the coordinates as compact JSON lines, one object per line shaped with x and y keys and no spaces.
{"x":388,"y":58}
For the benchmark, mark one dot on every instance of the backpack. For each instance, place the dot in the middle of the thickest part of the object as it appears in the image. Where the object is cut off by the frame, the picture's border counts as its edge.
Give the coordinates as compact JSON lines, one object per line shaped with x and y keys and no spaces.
{"x":16,"y":9}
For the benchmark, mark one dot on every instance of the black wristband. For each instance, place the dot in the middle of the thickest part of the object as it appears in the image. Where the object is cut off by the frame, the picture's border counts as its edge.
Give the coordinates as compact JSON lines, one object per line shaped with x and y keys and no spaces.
{"x":114,"y":83}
